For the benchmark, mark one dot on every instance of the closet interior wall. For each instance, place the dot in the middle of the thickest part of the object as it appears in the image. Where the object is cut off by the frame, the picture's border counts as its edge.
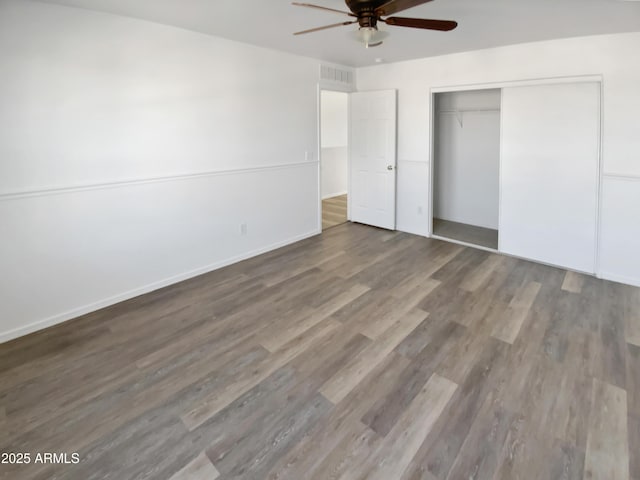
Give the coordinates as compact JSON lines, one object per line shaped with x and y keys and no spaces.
{"x":467,"y":166}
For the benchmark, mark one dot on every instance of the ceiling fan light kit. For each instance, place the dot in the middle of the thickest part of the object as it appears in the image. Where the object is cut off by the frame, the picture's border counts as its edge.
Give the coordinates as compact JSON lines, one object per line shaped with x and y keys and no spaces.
{"x":370,"y":36}
{"x":368,"y":13}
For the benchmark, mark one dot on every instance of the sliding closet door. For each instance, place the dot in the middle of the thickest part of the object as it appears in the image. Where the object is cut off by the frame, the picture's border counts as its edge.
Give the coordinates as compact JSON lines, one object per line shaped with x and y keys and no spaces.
{"x":549,"y":173}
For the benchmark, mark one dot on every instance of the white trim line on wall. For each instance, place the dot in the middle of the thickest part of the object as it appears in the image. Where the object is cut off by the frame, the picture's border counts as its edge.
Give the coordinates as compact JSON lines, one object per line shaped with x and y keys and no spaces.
{"x":621,"y":176}
{"x":44,"y":191}
{"x":92,"y":307}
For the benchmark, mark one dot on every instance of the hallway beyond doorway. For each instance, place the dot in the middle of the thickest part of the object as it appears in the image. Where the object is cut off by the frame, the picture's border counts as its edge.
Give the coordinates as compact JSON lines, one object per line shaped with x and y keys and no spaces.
{"x":334,"y":211}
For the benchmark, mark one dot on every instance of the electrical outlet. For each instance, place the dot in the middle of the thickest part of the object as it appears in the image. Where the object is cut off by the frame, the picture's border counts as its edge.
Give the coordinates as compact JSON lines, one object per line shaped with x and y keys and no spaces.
{"x":243,"y":229}
{"x":419,"y":210}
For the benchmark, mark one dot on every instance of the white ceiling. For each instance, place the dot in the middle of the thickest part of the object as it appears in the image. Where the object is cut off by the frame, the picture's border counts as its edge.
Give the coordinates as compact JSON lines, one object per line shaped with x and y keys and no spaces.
{"x":482,"y":24}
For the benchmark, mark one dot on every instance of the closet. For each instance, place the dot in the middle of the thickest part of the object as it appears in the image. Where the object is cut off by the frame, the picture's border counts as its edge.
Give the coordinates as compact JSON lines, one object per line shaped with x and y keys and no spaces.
{"x":467,"y":166}
{"x":517,"y":169}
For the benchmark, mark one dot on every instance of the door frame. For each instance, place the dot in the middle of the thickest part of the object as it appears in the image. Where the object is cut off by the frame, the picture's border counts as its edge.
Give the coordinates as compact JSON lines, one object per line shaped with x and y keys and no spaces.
{"x":501,"y":85}
{"x":330,"y":88}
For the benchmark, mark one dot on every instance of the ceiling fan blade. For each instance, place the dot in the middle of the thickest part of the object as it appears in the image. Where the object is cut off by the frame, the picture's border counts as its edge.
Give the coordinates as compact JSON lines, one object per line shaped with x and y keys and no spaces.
{"x":318,"y":7}
{"x":395,"y":6}
{"x":325,"y":27}
{"x":442,"y":25}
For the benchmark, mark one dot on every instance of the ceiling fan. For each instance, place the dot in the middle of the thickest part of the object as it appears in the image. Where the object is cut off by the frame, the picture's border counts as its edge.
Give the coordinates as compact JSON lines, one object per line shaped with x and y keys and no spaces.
{"x":368,"y":13}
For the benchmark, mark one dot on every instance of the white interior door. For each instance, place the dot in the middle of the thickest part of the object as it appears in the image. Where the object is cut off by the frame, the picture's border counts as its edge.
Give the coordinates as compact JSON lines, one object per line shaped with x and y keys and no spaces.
{"x":372,"y":148}
{"x":549,"y":173}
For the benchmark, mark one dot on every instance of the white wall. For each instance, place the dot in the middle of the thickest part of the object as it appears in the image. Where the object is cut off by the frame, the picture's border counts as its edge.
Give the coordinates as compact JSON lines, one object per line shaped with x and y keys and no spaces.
{"x":620,"y":229}
{"x":132,"y":152}
{"x":334,"y":171}
{"x":334,"y":110}
{"x":612,"y":56}
{"x":467,"y":157}
{"x":334,"y":133}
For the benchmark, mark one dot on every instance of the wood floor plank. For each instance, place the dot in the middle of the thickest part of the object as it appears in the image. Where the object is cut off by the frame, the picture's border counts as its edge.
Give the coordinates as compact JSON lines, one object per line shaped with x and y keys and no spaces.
{"x":412,"y":281}
{"x":607,"y":455}
{"x":192,"y":366}
{"x":349,"y":458}
{"x":532,"y":441}
{"x":273,"y":339}
{"x":508,"y":327}
{"x":454,"y":271}
{"x":633,"y":428}
{"x":473,"y":281}
{"x":256,"y":410}
{"x":432,"y":333}
{"x":565,"y":461}
{"x":374,"y":328}
{"x":632,"y":316}
{"x":223,"y":397}
{"x":549,"y":458}
{"x":384,"y":414}
{"x":633,"y":379}
{"x":570,"y":408}
{"x":612,"y":342}
{"x":322,"y":450}
{"x":463,"y":410}
{"x":403,"y":441}
{"x":481,"y":308}
{"x":440,"y":260}
{"x":244,"y":352}
{"x":77,"y":429}
{"x":4,"y":428}
{"x":572,"y":282}
{"x":200,"y":468}
{"x":348,"y":377}
{"x":460,"y":359}
{"x":256,"y":454}
{"x":371,"y":305}
{"x":488,"y":434}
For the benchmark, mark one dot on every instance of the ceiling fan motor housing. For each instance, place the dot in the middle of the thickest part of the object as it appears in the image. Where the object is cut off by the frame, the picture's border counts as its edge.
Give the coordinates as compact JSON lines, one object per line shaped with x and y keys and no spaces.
{"x":365,"y":11}
{"x":369,"y":12}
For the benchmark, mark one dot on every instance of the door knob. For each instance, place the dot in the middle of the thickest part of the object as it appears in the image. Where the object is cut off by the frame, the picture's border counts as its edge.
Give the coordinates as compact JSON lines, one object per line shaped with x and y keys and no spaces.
{"x":389,"y":167}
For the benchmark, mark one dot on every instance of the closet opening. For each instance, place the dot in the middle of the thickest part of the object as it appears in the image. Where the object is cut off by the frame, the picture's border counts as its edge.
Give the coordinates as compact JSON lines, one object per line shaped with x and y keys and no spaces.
{"x":466,"y":166}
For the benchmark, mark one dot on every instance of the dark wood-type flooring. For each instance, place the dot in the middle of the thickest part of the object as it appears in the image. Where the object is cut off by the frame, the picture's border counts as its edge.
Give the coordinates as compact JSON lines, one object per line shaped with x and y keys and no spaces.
{"x":359,"y":353}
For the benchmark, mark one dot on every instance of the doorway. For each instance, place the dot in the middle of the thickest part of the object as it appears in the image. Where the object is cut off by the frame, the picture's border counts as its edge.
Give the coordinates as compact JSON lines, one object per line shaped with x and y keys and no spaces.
{"x":334,"y":154}
{"x":466,"y":187}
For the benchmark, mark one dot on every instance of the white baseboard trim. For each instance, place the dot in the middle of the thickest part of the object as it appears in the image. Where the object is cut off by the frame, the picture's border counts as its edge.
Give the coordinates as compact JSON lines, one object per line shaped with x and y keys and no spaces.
{"x":331,"y":195}
{"x":107,"y":302}
{"x":619,"y":278}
